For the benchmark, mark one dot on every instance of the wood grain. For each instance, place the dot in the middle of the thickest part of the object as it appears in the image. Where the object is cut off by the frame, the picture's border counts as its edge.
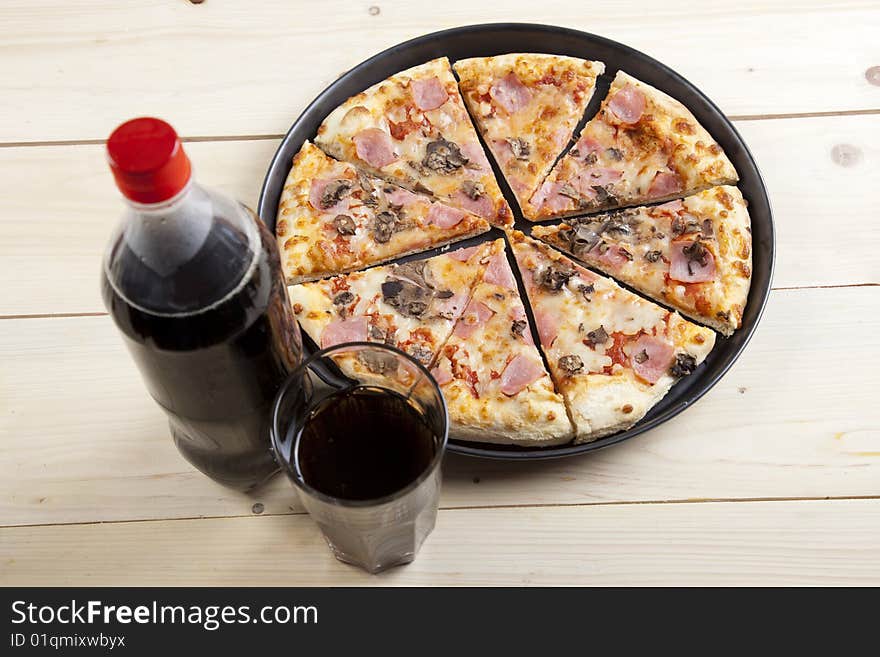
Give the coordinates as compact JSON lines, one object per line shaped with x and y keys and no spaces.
{"x":757,"y":543}
{"x":794,"y":418}
{"x":52,"y":248}
{"x":74,"y":69}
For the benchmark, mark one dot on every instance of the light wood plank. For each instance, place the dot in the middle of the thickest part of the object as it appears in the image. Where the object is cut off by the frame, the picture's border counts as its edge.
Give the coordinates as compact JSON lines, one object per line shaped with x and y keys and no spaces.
{"x":758,"y":543}
{"x":61,"y":206}
{"x":796,"y":417}
{"x":74,"y":69}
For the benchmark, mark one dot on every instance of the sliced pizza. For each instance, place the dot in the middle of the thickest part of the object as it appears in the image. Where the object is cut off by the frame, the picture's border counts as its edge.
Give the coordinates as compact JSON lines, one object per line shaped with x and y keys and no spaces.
{"x":613,"y":354}
{"x":526,"y":106}
{"x":413,"y":129}
{"x":694,"y":254}
{"x":412,"y":306}
{"x":333,"y":219}
{"x":642,"y":146}
{"x":493,"y":378}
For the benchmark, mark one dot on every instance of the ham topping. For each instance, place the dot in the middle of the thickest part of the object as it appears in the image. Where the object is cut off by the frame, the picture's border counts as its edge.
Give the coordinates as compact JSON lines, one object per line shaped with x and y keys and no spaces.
{"x":650,"y":358}
{"x":510,"y":93}
{"x":520,"y":373}
{"x":665,"y":184}
{"x":463,"y":255}
{"x":628,"y":104}
{"x":374,"y":147}
{"x":442,"y":374}
{"x":482,"y":205}
{"x":547,"y":328}
{"x":474,"y":316}
{"x":691,"y":262}
{"x":444,"y":216}
{"x":498,"y":272}
{"x":353,"y":329}
{"x":429,"y":93}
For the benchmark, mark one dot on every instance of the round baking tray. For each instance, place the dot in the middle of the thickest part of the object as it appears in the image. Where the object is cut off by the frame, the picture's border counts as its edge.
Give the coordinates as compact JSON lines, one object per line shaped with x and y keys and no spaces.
{"x":500,"y":38}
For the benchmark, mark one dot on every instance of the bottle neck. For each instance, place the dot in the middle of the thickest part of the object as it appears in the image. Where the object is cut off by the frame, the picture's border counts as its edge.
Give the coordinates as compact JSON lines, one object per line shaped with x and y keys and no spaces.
{"x":163,"y":207}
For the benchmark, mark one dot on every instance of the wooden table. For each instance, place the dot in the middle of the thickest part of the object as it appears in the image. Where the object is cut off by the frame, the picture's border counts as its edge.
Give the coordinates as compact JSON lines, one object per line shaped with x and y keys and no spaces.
{"x":774,"y":477}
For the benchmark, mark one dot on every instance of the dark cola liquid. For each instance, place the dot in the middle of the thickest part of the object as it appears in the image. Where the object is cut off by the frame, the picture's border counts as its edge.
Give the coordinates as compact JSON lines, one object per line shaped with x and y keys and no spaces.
{"x":214,"y":371}
{"x":364,"y":443}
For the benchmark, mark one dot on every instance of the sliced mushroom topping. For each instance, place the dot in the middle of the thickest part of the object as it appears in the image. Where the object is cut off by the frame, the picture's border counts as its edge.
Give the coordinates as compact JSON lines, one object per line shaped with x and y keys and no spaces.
{"x":586,"y":291}
{"x":343,"y":298}
{"x":378,"y":362}
{"x":409,"y":299}
{"x":684,"y":364}
{"x":641,"y":357}
{"x":696,"y":252}
{"x":344,"y":224}
{"x":365,"y":182}
{"x":571,"y":364}
{"x":597,"y":337}
{"x":582,"y":238}
{"x":473,"y":190}
{"x":603,"y":247}
{"x":409,"y":291}
{"x":681,"y":226}
{"x":517,"y":328}
{"x":520,"y":148}
{"x":707,"y":229}
{"x":653,"y":256}
{"x":569,"y":191}
{"x":617,"y":224}
{"x":384,"y":225}
{"x":603,"y":195}
{"x":614,"y":154}
{"x":553,"y":279}
{"x":626,"y":254}
{"x":420,"y":352}
{"x":591,"y":158}
{"x":341,"y":302}
{"x":444,"y":156}
{"x":334,"y":192}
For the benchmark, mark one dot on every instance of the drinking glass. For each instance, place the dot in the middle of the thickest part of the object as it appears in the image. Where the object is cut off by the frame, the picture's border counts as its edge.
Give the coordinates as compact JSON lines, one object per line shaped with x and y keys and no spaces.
{"x":374,"y":534}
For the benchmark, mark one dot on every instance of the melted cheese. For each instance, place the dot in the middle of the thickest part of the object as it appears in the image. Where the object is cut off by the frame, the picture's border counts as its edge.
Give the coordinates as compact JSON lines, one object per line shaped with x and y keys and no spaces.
{"x":718,"y":303}
{"x":391,"y":100}
{"x":311,"y":247}
{"x":666,"y":139}
{"x":604,"y":396}
{"x":478,"y":409}
{"x":560,"y":89}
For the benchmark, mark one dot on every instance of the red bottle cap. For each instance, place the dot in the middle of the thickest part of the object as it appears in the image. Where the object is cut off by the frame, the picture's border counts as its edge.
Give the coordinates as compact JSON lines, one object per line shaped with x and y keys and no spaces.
{"x":147,"y":160}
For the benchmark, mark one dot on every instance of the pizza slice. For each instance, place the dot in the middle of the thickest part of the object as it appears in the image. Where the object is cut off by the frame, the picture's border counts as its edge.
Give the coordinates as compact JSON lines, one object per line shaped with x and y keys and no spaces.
{"x":491,"y":373}
{"x":412,"y":306}
{"x":333,"y":219}
{"x":527,"y":106}
{"x":613,"y":354}
{"x":693,"y":254}
{"x":641,"y":146}
{"x":413,"y":129}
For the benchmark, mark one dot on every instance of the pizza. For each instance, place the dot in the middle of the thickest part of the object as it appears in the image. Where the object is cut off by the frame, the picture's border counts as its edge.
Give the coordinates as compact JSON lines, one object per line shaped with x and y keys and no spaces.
{"x":693,"y":254}
{"x":527,"y":106}
{"x":412,"y":306}
{"x":612,"y":354}
{"x":491,"y":373}
{"x":644,"y":195}
{"x":642,"y":146}
{"x":413,"y":129}
{"x":333,"y":219}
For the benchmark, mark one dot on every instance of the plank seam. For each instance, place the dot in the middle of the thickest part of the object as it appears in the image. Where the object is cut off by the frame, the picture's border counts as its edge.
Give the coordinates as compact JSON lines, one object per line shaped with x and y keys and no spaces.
{"x":271,"y":136}
{"x":833,"y":286}
{"x":484,"y":507}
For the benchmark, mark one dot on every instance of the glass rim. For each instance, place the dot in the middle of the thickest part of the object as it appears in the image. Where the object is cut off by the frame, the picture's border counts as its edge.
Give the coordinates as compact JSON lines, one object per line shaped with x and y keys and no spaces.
{"x":292,"y":472}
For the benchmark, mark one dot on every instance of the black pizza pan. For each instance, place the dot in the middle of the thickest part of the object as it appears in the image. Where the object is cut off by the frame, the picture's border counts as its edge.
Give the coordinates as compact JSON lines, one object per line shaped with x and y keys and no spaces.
{"x":500,"y":38}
